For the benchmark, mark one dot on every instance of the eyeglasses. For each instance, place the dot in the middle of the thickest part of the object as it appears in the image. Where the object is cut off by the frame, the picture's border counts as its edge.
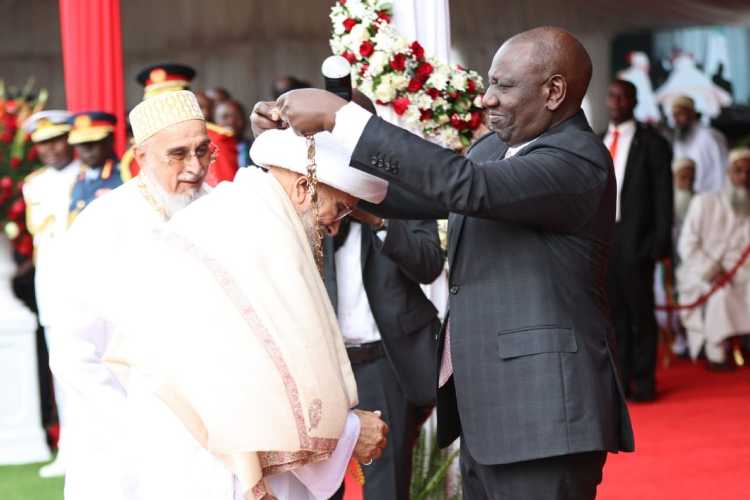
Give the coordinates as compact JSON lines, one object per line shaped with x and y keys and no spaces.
{"x":203,"y":153}
{"x":347,"y":210}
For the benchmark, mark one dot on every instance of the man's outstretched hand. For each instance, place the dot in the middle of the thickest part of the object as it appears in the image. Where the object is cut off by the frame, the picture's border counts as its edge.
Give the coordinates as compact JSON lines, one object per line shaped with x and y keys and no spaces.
{"x":372,"y":436}
{"x":307,"y":111}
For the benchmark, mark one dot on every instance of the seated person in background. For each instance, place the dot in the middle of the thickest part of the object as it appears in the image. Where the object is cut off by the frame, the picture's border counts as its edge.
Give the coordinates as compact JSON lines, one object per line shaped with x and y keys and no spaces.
{"x":714,"y":236}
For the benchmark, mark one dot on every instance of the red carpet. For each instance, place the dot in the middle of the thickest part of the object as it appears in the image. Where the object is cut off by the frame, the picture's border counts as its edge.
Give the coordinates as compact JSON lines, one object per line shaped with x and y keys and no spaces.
{"x":692,"y":444}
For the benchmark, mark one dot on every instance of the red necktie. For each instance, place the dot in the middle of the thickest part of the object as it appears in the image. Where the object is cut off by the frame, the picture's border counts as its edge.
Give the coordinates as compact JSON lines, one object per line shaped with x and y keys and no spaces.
{"x":613,"y":144}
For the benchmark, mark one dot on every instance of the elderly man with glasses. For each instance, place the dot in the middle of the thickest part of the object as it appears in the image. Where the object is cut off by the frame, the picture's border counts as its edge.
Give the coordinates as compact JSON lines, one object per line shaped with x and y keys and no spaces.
{"x":98,"y":252}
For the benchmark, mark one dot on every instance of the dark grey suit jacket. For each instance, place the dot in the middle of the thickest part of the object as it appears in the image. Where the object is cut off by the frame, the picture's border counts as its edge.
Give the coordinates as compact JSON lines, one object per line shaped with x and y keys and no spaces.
{"x":531,"y":341}
{"x":408,"y":323}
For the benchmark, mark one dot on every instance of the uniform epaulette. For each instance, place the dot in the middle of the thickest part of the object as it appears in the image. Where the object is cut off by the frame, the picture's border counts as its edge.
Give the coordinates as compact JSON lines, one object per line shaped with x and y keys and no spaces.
{"x":219,"y":129}
{"x":33,"y":174}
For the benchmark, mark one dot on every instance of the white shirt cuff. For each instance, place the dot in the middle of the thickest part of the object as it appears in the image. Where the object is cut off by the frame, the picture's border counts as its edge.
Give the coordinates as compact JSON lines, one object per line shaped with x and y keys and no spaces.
{"x":322,"y":479}
{"x":351,"y":120}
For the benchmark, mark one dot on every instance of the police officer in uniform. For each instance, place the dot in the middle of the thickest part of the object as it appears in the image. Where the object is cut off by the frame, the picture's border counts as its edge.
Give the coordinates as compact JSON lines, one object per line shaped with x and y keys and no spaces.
{"x":161,"y":78}
{"x":92,"y":134}
{"x":47,"y":193}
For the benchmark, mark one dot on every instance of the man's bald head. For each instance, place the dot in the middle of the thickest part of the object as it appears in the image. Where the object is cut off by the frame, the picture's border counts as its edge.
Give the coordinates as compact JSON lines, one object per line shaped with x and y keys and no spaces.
{"x":538,"y":79}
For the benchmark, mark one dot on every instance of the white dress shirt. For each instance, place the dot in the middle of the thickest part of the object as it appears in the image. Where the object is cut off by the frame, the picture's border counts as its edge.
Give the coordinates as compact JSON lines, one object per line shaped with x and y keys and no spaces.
{"x":354,"y":313}
{"x":627,"y":132}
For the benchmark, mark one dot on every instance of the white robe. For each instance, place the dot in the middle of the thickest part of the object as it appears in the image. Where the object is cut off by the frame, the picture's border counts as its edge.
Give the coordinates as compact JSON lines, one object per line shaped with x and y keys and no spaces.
{"x":96,"y":256}
{"x":708,"y":149}
{"x":713,"y":235}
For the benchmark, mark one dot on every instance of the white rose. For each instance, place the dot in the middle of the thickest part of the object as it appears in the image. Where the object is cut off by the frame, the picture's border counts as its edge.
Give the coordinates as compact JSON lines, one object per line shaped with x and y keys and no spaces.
{"x":449,"y":137}
{"x":439,"y":102}
{"x":346,"y":41}
{"x":385,"y":91}
{"x":359,"y":34}
{"x":383,"y":41}
{"x":478,"y":101}
{"x":356,"y":8}
{"x":423,"y":100}
{"x":439,"y":78}
{"x":12,"y":230}
{"x":399,"y":82}
{"x":378,"y":61}
{"x":366,"y":87}
{"x":458,"y":80}
{"x":411,"y":116}
{"x":399,"y":44}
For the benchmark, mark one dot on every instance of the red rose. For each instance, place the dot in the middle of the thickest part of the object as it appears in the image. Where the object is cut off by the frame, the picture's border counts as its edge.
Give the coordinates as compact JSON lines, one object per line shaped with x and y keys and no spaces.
{"x":17,"y":209}
{"x":433,"y":92}
{"x":32,"y":154}
{"x":25,"y":245}
{"x":6,"y":183}
{"x":342,"y":2}
{"x":414,"y":85}
{"x":7,"y":137}
{"x":457,"y":122}
{"x":400,"y":104}
{"x":471,"y":86}
{"x":424,"y":70}
{"x":349,"y":56}
{"x":366,"y":49}
{"x":398,"y":63}
{"x":476,"y":120}
{"x":417,"y":50}
{"x":15,"y":162}
{"x":452,"y":96}
{"x":425,"y":114}
{"x":363,"y":69}
{"x":385,"y":16}
{"x":349,"y":23}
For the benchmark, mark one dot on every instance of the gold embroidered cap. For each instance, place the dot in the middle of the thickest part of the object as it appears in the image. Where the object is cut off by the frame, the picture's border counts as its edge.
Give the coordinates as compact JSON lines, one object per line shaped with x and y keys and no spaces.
{"x":161,"y":111}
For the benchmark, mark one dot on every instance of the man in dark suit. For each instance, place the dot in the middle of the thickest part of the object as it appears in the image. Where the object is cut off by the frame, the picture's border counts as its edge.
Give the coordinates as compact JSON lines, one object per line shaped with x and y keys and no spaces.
{"x":643,"y":232}
{"x":530,"y":379}
{"x":389,"y":326}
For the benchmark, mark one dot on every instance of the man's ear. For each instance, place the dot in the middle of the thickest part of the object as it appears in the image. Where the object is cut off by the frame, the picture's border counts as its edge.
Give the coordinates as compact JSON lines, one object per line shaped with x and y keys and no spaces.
{"x":299,"y":191}
{"x":557,"y":88}
{"x":139,"y":153}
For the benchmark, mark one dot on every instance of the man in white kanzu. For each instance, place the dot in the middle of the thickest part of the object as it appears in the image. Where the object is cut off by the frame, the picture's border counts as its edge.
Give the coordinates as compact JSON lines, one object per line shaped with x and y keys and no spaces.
{"x":98,"y":252}
{"x":239,"y":385}
{"x":47,"y":192}
{"x":706,"y":146}
{"x":714,"y":235}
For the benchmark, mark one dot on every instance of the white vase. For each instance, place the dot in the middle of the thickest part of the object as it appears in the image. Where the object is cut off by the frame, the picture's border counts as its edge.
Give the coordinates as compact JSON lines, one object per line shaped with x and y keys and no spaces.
{"x":22,"y":438}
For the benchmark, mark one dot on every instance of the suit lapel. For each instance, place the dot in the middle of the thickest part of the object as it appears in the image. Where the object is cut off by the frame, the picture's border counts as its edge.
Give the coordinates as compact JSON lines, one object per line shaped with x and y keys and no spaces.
{"x":456,"y":221}
{"x":365,"y":245}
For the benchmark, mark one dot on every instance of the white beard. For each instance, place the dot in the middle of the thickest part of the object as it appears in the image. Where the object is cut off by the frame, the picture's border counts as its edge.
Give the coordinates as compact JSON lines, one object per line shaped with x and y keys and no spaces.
{"x":682,"y":198}
{"x":739,"y":200}
{"x":172,"y":202}
{"x":311,"y":227}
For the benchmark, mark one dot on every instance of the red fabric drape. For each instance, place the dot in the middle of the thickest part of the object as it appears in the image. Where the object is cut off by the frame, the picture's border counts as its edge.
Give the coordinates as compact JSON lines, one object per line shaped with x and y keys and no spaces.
{"x":92,"y":59}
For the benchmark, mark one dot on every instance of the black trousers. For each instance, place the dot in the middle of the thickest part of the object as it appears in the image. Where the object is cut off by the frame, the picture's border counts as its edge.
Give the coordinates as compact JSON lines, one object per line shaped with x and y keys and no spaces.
{"x":630,"y":286}
{"x":567,"y":477}
{"x":387,"y":478}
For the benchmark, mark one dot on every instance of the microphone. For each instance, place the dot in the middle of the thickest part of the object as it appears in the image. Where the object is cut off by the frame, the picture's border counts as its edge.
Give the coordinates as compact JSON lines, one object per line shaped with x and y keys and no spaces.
{"x":337,"y":73}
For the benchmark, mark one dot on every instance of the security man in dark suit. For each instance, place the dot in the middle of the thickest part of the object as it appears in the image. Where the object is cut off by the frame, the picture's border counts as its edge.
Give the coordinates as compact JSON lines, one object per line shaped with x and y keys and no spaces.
{"x":390,"y":328}
{"x":530,"y":381}
{"x":643,"y":235}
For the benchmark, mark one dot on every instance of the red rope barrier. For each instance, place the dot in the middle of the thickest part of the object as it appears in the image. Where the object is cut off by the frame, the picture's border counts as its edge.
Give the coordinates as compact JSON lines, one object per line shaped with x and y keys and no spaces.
{"x":718,"y":284}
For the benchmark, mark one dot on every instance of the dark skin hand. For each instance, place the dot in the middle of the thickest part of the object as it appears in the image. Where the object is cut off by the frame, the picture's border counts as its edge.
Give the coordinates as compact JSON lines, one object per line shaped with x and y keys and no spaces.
{"x":537,"y":79}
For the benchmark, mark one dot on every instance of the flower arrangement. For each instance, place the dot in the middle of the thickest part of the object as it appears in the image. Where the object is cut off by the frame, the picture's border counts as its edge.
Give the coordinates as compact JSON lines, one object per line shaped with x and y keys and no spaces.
{"x":440,"y":101}
{"x":17,"y":160}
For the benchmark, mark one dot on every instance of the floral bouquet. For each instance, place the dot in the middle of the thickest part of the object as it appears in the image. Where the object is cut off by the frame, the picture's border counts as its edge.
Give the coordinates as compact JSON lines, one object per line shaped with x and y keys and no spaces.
{"x":440,"y":101}
{"x":17,"y":160}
